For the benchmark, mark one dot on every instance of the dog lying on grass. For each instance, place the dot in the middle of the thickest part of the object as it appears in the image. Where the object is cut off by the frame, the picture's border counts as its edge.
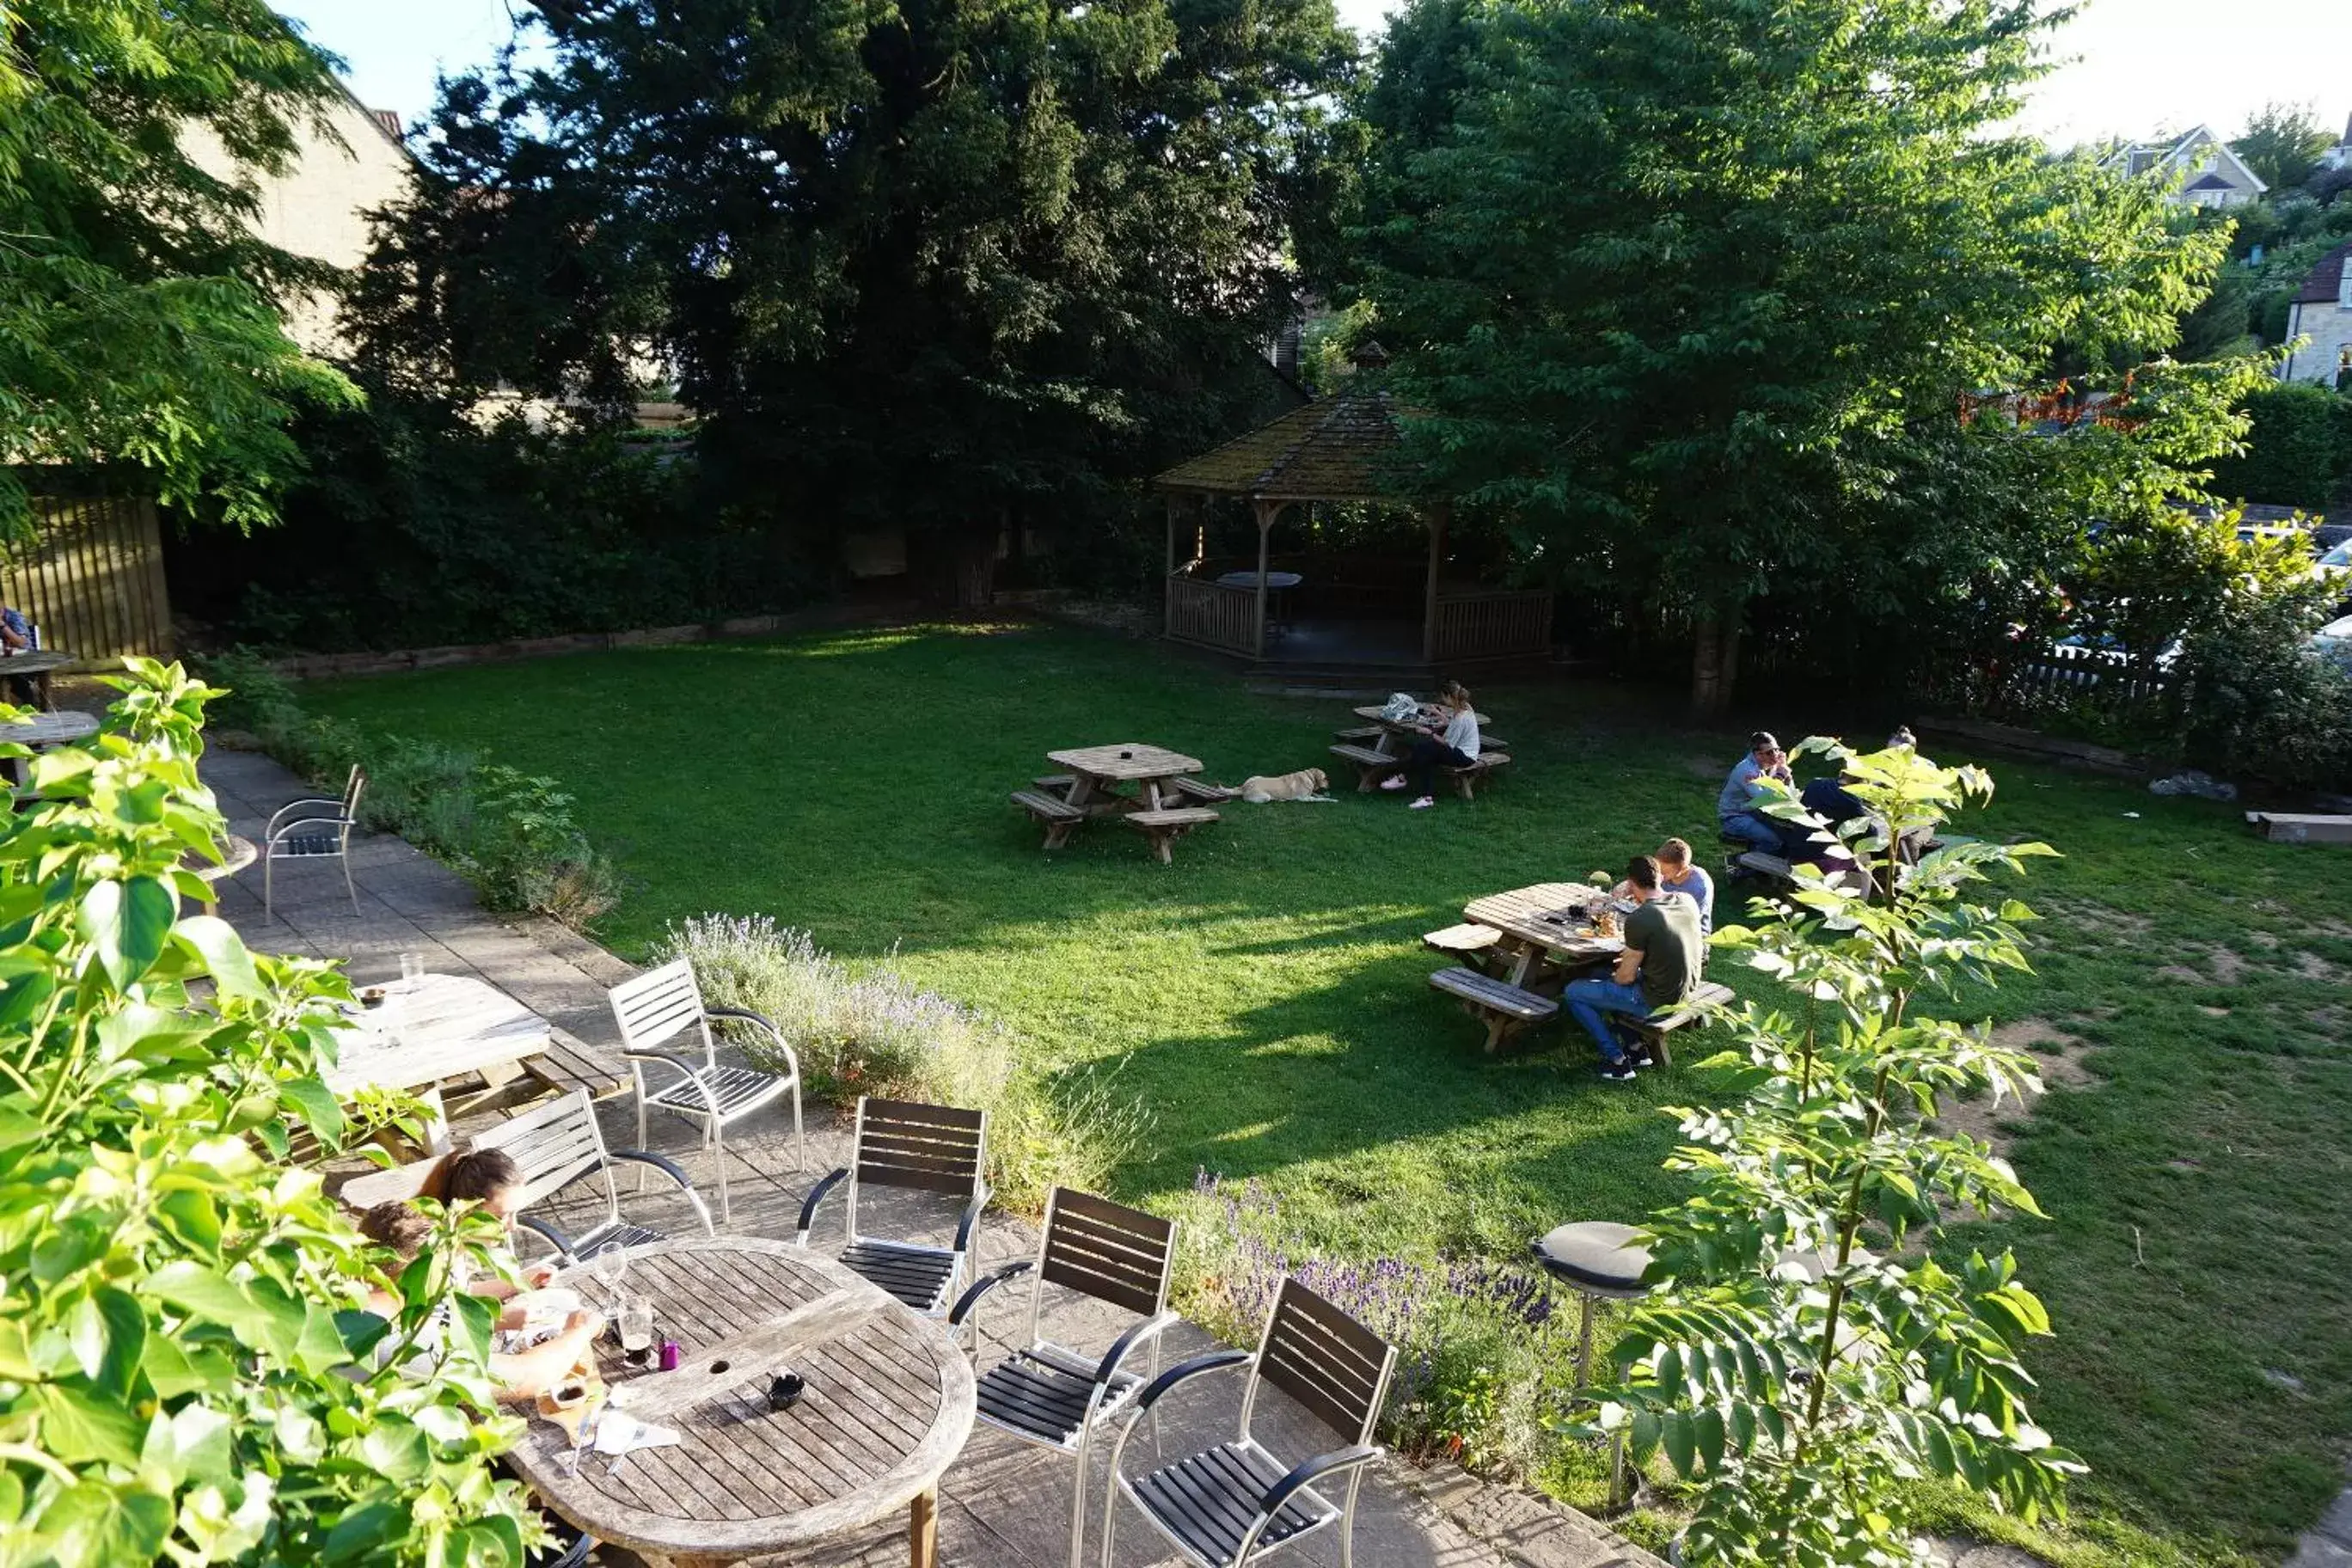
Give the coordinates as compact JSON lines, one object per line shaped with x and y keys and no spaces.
{"x":1306,"y":784}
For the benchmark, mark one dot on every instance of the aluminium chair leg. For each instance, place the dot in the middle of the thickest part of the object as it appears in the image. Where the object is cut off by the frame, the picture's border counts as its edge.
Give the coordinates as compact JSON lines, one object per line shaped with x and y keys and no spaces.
{"x":719,"y":1158}
{"x":349,"y":886}
{"x":799,"y":1134}
{"x":1078,"y":1505}
{"x":268,"y":878}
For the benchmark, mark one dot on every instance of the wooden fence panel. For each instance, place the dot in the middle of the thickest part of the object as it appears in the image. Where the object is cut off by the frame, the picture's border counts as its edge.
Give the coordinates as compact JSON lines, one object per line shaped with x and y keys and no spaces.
{"x":92,"y":579}
{"x":1216,"y":614}
{"x":1481,"y":625}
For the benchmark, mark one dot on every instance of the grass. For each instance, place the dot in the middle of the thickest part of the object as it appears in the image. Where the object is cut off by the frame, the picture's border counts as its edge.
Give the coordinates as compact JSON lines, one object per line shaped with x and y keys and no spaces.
{"x":1266,"y":994}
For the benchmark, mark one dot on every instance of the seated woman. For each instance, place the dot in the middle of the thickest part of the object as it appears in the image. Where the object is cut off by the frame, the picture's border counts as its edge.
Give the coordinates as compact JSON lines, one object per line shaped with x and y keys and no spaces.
{"x":1456,"y":747}
{"x":522,"y":1373}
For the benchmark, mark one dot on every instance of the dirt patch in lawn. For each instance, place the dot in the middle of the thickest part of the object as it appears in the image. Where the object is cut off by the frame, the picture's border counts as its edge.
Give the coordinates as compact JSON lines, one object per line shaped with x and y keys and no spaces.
{"x":2058,"y":1057}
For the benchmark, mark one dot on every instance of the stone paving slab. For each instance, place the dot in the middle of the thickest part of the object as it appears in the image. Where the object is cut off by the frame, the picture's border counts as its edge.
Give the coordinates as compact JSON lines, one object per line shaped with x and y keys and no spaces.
{"x":1004,"y":1502}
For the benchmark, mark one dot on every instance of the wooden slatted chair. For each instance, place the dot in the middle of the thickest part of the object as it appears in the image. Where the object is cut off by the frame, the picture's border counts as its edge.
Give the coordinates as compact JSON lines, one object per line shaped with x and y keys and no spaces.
{"x":929,"y":1148}
{"x":1235,"y":1503}
{"x":558,"y":1143}
{"x":312,"y":828}
{"x":1053,"y":1396}
{"x":658,"y":1006}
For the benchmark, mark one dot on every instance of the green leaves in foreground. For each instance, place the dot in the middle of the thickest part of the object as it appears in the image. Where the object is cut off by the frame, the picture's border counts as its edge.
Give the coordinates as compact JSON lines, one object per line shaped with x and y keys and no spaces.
{"x":1804,"y":1355}
{"x":186,"y":1371}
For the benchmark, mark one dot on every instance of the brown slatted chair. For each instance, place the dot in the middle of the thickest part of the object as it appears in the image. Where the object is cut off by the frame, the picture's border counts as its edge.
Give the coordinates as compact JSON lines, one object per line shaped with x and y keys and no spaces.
{"x":932,"y":1148}
{"x":1235,"y":1503}
{"x":1053,"y":1396}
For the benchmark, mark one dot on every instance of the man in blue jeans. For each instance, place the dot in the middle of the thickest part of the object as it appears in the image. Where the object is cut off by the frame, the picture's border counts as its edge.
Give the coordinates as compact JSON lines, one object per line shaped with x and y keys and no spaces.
{"x":1664,"y":954}
{"x":1735,"y":808}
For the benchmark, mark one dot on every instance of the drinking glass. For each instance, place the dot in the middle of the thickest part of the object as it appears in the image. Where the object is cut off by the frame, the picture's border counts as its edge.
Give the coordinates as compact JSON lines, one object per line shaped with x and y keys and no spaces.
{"x":637,"y":1320}
{"x":610,"y":1267}
{"x":412,"y":969}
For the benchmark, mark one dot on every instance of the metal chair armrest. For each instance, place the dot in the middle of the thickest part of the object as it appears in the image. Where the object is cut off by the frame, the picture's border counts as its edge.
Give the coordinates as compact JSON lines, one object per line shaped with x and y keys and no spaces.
{"x":1309,"y":1471}
{"x":982,"y":1286}
{"x":971,"y":1221}
{"x":745,"y":1015}
{"x":1214,"y":1360}
{"x":562,"y":1242}
{"x":1141,"y":1334}
{"x":686,"y":1074}
{"x":668,"y":1168}
{"x":271,"y":829}
{"x":817,"y":1196}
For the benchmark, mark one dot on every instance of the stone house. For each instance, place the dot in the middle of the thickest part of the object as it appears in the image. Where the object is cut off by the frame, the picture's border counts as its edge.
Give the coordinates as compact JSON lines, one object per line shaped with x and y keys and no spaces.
{"x":350,"y":163}
{"x":2322,"y":311}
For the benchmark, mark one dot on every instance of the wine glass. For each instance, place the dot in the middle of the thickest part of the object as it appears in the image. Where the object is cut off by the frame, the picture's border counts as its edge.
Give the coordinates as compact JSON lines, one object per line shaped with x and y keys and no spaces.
{"x":610,"y":1267}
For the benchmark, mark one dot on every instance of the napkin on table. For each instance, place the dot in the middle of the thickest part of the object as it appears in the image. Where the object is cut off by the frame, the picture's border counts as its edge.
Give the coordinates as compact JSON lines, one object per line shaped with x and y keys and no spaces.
{"x":620,"y":1433}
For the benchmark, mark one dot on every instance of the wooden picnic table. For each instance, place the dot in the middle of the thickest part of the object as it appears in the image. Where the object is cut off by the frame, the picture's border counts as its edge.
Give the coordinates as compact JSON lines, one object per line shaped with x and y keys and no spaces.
{"x":888,"y":1403}
{"x":1391,"y":743}
{"x":36,"y":665}
{"x":1149,"y":788}
{"x":42,"y":730}
{"x":1546,"y":931}
{"x":441,"y":1026}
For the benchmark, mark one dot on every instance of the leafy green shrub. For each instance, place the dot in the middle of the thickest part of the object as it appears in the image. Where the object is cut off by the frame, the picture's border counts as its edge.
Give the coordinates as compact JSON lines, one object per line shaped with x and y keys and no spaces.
{"x":509,"y":834}
{"x":2263,"y":704}
{"x":2298,"y":449}
{"x":879,"y":1034}
{"x":184,"y":1374}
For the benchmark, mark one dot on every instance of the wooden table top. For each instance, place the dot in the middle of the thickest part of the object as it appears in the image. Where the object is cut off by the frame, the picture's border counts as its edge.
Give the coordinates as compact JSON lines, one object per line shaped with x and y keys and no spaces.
{"x":442,"y":1026}
{"x":1553,"y":915}
{"x":1374,"y":714}
{"x":37,"y":661}
{"x":47,"y":729}
{"x":888,"y":1404}
{"x":1129,"y":760}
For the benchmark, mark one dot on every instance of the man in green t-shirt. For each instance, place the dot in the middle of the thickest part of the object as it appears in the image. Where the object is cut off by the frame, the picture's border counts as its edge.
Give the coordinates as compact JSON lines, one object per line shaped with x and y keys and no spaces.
{"x":1665,"y":952}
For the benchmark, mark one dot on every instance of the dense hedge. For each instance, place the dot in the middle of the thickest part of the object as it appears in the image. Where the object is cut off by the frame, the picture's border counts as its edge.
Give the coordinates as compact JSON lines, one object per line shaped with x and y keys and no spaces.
{"x":2299,"y":452}
{"x":417,"y":528}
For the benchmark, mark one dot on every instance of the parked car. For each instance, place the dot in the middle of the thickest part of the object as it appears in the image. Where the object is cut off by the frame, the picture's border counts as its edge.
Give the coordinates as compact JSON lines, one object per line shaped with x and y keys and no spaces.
{"x":2334,"y":641}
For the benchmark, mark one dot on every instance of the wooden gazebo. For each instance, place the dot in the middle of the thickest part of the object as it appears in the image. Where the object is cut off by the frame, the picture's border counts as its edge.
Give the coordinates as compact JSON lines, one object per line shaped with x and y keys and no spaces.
{"x":1338,"y":449}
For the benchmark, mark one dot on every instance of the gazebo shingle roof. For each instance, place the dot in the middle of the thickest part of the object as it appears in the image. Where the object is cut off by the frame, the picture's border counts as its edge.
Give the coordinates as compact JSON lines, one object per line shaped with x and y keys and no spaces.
{"x":1336,"y":449}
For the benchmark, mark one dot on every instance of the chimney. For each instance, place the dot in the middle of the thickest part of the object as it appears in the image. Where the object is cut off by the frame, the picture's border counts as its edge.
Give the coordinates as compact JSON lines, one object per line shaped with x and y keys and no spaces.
{"x":390,"y":119}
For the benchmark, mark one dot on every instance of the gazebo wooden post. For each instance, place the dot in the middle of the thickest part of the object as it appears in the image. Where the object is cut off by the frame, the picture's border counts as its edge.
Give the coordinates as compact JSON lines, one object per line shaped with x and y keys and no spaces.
{"x":1438,"y":514}
{"x":1175,"y":505}
{"x":1266,"y":510}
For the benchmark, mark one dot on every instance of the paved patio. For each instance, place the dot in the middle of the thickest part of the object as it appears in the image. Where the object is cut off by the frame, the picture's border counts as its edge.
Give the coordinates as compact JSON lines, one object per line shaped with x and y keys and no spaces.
{"x":1002,"y":1503}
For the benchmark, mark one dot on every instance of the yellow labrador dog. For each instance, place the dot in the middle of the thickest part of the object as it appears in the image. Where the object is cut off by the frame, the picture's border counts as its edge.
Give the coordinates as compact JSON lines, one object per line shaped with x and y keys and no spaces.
{"x":1306,"y":784}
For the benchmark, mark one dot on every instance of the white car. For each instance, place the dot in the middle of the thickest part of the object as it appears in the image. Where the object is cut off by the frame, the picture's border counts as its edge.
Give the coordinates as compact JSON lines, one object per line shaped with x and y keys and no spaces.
{"x":2334,"y":641}
{"x":2335,"y":562}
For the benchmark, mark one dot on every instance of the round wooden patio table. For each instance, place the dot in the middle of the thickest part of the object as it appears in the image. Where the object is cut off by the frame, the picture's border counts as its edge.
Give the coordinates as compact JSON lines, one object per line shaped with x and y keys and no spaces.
{"x":888,"y":1403}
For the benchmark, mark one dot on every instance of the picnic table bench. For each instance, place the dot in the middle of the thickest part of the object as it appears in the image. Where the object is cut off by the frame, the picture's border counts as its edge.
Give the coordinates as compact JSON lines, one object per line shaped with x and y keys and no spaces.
{"x":570,"y":1062}
{"x":1503,"y":1007}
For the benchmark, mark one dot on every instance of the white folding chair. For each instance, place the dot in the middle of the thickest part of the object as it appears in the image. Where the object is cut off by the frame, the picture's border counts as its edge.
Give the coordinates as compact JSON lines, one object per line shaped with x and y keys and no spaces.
{"x":312,"y":828}
{"x":559,"y":1143}
{"x":657,"y":1007}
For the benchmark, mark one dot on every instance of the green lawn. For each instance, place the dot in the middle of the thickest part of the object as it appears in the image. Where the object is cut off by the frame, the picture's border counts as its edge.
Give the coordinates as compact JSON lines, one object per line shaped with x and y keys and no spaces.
{"x":1267,"y":993}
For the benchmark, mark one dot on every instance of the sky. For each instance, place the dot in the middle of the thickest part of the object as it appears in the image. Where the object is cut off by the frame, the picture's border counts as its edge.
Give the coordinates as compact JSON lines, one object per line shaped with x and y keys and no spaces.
{"x":2132,"y":66}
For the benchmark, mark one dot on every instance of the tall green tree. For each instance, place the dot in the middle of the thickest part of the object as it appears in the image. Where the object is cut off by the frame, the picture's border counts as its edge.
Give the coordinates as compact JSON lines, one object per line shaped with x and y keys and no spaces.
{"x":137,"y":322}
{"x":2282,"y":144}
{"x":1680,"y":284}
{"x":947,"y":263}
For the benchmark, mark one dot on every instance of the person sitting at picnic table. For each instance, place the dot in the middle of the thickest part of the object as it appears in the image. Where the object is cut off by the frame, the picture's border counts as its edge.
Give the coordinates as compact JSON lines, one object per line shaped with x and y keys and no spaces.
{"x":1676,"y":874}
{"x":1663,"y":955}
{"x":1735,"y":807}
{"x":1456,"y":747}
{"x":523,"y":1372}
{"x":17,"y":636}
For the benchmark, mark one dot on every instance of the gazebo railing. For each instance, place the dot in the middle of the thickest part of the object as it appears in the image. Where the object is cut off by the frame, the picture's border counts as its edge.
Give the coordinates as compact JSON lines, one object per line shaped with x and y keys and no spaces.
{"x":1491,"y":623}
{"x":1216,"y":614}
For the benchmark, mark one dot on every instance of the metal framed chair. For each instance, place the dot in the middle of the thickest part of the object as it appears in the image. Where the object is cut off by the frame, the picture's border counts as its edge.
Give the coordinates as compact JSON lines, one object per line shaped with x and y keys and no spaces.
{"x":658,"y":1006}
{"x":312,"y":828}
{"x":1050,"y":1395}
{"x":559,"y":1143}
{"x":930,"y":1148}
{"x":1236,"y":1502}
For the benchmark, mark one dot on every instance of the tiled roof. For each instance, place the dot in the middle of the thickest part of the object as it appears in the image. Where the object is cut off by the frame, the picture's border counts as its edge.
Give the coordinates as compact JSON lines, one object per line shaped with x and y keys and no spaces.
{"x":1336,"y":449}
{"x":2321,"y":284}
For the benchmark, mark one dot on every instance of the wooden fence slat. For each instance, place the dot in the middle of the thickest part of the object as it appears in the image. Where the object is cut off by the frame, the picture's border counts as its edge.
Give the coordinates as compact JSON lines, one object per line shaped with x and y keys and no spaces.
{"x":93,"y":578}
